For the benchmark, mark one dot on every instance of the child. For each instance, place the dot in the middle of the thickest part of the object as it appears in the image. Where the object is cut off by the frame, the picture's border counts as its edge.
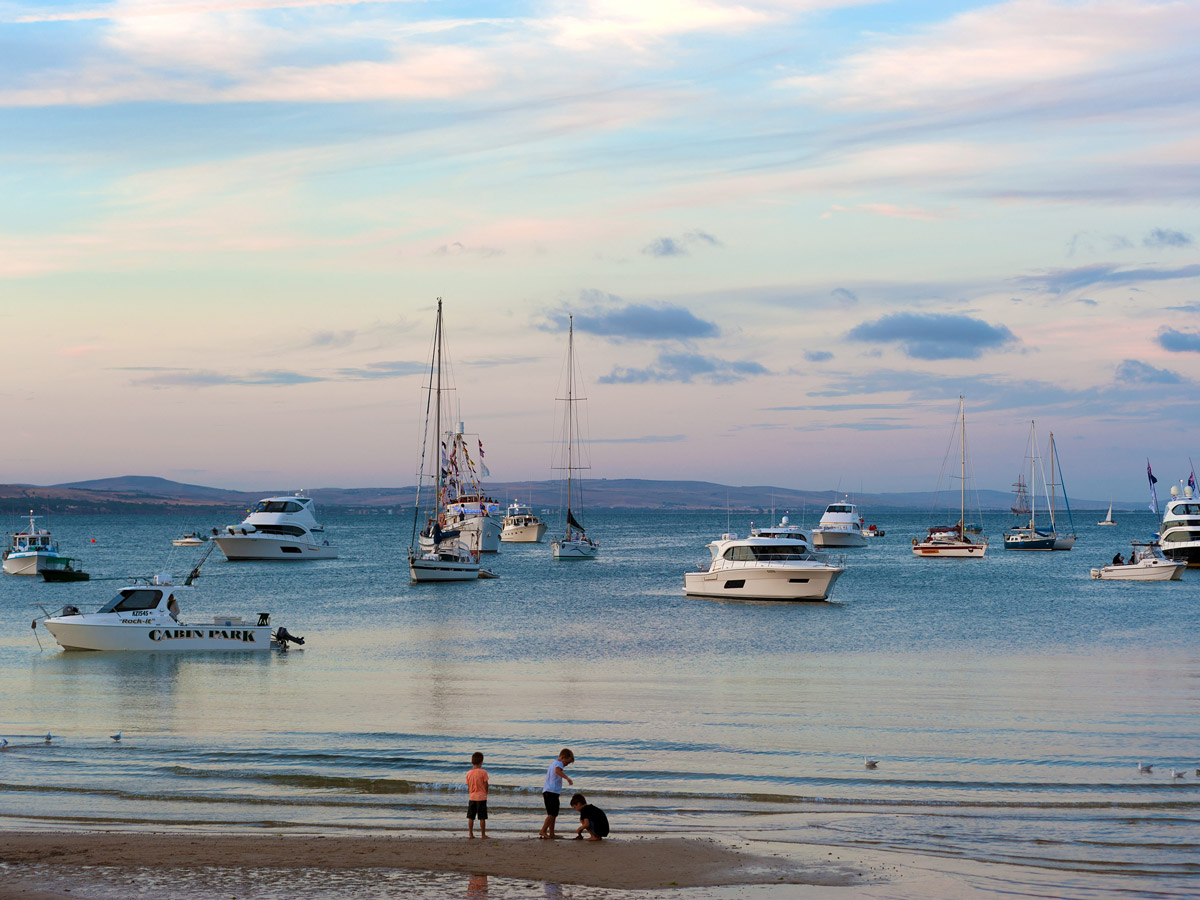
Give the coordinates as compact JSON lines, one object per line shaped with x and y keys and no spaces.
{"x":591,"y":819}
{"x":553,"y":787}
{"x":477,"y":784}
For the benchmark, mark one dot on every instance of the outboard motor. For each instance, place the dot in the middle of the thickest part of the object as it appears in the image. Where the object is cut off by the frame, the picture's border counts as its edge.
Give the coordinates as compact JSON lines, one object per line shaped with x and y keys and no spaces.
{"x":282,"y":636}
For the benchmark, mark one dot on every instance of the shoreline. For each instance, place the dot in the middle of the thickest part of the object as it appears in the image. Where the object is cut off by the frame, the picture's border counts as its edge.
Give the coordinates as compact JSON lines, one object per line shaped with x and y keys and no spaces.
{"x":627,"y":863}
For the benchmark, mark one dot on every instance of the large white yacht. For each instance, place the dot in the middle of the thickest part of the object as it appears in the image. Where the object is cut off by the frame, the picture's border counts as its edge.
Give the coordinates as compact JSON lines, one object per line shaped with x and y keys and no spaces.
{"x":1180,"y":534}
{"x":29,"y":552}
{"x":840,"y":526}
{"x":478,"y":519}
{"x":521,"y":526}
{"x":277,"y":528}
{"x":771,"y":564}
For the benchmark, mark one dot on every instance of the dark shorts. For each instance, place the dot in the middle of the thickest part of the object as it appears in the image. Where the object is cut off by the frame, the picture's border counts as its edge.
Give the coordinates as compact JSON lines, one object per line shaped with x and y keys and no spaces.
{"x":551,"y":801}
{"x":477,"y":809}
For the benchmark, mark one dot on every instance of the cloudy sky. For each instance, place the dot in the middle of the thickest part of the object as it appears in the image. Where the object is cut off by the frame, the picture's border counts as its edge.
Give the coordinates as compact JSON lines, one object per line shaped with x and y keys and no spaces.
{"x":791,"y":233}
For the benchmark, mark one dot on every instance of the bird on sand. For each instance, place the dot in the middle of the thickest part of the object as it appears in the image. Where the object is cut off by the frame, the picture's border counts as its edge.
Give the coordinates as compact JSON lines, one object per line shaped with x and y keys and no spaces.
{"x":116,"y":737}
{"x":1145,"y":767}
{"x":871,"y":763}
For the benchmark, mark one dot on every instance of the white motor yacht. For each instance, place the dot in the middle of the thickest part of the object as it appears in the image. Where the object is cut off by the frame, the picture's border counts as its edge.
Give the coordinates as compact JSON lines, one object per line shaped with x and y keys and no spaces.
{"x":1146,"y":563}
{"x":277,"y":528}
{"x":521,"y":526}
{"x":840,"y":526}
{"x":145,"y":616}
{"x":29,"y":552}
{"x":191,"y":539}
{"x":478,"y":518}
{"x":1180,"y":534}
{"x":772,"y":564}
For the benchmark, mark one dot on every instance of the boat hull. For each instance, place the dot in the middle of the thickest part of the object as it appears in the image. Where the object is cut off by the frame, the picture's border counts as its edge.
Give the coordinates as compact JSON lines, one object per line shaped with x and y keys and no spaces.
{"x":1023,"y":543}
{"x":258,"y":547}
{"x":1156,"y":570}
{"x":949,"y":550}
{"x":484,"y":532}
{"x":1187,"y":553}
{"x":29,"y":562}
{"x":524,"y":534}
{"x":574,"y":549}
{"x":428,"y":570}
{"x":785,"y":583}
{"x":72,"y":633}
{"x":838,"y":538}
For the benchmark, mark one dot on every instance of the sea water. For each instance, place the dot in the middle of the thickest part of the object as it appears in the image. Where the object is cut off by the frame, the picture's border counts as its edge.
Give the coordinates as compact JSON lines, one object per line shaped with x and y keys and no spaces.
{"x":1007,"y":699}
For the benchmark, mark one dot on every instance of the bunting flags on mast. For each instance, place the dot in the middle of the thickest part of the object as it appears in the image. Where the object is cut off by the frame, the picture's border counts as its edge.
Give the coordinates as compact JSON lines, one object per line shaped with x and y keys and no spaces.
{"x":482,"y":465}
{"x":1153,"y":492}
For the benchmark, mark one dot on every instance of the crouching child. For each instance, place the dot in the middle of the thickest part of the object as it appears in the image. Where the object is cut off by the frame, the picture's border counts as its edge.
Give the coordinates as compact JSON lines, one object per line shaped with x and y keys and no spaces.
{"x":592,"y":820}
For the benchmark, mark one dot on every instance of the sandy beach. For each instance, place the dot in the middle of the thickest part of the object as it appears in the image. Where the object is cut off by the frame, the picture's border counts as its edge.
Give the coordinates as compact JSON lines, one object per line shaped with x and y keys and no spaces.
{"x":628,"y":863}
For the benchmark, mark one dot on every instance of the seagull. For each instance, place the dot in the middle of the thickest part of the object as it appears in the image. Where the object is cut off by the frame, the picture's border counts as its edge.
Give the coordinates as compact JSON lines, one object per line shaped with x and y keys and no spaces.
{"x":1177,"y":774}
{"x":870,"y":763}
{"x":3,"y":743}
{"x":1145,"y":767}
{"x":47,"y":737}
{"x":116,"y":737}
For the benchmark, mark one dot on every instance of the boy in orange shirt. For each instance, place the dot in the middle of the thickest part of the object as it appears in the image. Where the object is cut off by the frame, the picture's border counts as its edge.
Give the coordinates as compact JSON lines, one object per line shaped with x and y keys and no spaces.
{"x":477,"y":785}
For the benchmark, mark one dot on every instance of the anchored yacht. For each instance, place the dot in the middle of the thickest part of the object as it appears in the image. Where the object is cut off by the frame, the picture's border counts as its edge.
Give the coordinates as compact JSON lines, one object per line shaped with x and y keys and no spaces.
{"x":772,"y":564}
{"x":277,"y":528}
{"x":521,"y":526}
{"x":840,"y":526}
{"x":1180,"y":534}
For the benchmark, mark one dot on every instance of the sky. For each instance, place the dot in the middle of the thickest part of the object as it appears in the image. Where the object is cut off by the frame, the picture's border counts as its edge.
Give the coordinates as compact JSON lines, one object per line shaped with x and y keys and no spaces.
{"x":791,"y":235}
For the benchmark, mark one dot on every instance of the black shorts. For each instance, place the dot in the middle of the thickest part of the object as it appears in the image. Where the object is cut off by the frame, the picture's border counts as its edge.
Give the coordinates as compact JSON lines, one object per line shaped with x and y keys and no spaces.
{"x":551,"y":800}
{"x":477,"y":809}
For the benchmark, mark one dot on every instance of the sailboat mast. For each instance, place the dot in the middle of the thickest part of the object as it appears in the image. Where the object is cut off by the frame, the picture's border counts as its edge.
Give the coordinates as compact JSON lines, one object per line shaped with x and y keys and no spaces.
{"x":570,"y":409}
{"x":962,"y":464}
{"x":1052,"y":482}
{"x":437,"y":415}
{"x":1032,"y":478}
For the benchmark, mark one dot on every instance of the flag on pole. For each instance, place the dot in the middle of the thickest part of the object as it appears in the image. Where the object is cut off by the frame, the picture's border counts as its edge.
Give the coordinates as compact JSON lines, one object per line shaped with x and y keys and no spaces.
{"x":1153,"y":492}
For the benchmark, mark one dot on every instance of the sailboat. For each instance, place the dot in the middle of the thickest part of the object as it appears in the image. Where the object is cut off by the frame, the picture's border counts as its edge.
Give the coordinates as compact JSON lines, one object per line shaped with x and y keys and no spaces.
{"x":952,"y":540}
{"x":1108,"y":519}
{"x":1061,"y":541}
{"x":438,"y":553}
{"x":574,"y":542}
{"x":1030,"y":536}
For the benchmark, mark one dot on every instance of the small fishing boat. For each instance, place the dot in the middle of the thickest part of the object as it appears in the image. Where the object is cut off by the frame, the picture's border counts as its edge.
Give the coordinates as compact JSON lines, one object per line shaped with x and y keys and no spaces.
{"x":145,"y":616}
{"x":1146,"y":563}
{"x":30,"y":551}
{"x":63,"y":570}
{"x":191,"y":539}
{"x":872,"y":531}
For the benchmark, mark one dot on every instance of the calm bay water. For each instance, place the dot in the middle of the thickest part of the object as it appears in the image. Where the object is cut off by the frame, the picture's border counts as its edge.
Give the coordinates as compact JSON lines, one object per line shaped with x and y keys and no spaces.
{"x":1008,"y":699}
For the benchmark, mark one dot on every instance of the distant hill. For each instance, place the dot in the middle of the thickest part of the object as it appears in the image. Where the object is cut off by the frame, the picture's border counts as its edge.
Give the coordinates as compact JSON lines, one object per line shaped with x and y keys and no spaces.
{"x":134,"y":493}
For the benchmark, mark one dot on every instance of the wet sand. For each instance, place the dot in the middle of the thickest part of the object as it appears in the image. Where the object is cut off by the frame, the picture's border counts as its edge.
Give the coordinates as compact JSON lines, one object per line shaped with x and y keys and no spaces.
{"x":627,"y":863}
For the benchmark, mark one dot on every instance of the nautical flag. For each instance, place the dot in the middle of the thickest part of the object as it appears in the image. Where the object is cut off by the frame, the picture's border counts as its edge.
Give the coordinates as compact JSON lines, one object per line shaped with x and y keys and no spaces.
{"x":1153,"y":492}
{"x":482,"y":465}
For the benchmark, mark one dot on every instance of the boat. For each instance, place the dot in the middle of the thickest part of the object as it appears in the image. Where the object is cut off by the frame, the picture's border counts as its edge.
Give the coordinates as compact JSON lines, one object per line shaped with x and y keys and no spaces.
{"x":277,"y":528}
{"x":574,"y":542}
{"x":30,"y":551}
{"x":840,"y":526}
{"x":1146,"y":563}
{"x":952,"y":541}
{"x":437,"y":553}
{"x":873,"y":531}
{"x":1029,"y":536}
{"x":521,"y":526}
{"x":1061,"y":541}
{"x":1108,"y":519}
{"x":466,"y":508}
{"x":191,"y":539}
{"x":770,"y":564}
{"x":145,"y":616}
{"x":63,"y":570}
{"x":1180,"y":531}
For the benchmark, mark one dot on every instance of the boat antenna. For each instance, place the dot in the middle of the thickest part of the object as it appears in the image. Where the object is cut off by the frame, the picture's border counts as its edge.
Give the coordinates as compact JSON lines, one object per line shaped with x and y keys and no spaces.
{"x":195,"y":573}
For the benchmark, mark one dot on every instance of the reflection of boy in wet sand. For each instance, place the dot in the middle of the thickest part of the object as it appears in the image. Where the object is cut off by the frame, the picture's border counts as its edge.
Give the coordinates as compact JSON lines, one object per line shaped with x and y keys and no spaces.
{"x":477,"y":784}
{"x":591,"y":819}
{"x":553,"y":787}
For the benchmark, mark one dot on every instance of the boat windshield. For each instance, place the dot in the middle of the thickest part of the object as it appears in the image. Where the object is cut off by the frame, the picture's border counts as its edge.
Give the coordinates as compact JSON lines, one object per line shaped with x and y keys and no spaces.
{"x":766,"y":553}
{"x":278,"y":506}
{"x":133,"y":600}
{"x":1187,"y":509}
{"x":840,"y":508}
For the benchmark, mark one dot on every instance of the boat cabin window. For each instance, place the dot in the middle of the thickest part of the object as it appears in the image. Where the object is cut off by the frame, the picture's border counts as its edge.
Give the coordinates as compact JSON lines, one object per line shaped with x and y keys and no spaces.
{"x":278,"y":506}
{"x":766,"y":553}
{"x":133,"y":600}
{"x":293,"y":530}
{"x":839,"y":508}
{"x":1188,"y":509}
